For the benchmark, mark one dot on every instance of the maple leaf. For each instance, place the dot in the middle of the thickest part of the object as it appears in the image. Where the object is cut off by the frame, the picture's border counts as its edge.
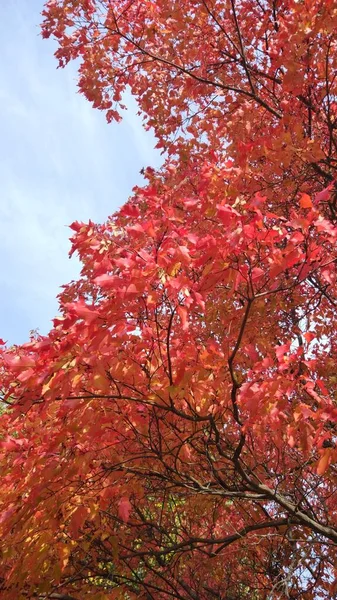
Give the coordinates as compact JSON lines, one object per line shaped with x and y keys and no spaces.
{"x":192,"y":368}
{"x":82,"y":310}
{"x":124,"y":509}
{"x":305,"y":201}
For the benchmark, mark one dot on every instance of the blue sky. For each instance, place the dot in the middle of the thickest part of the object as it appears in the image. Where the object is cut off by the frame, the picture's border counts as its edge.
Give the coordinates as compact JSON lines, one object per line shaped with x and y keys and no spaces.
{"x":59,"y":162}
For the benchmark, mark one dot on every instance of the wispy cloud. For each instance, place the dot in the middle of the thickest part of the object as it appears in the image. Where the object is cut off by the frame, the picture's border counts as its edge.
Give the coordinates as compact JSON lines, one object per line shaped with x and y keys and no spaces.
{"x":59,"y":162}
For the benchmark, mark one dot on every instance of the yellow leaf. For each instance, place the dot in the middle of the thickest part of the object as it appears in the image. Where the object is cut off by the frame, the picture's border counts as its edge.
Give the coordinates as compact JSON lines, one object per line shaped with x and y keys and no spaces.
{"x":47,"y":386}
{"x":100,"y":382}
{"x":174,"y":269}
{"x":77,"y":379}
{"x":63,"y":552}
{"x":208,"y":268}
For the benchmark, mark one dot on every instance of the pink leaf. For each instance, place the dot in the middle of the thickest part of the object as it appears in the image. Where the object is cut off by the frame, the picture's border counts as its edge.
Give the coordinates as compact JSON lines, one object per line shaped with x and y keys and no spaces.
{"x":325,"y":194}
{"x":11,"y":444}
{"x":131,"y":290}
{"x":124,"y":509}
{"x":16,"y":363}
{"x":81,"y":310}
{"x":280,"y":351}
{"x":106,"y":281}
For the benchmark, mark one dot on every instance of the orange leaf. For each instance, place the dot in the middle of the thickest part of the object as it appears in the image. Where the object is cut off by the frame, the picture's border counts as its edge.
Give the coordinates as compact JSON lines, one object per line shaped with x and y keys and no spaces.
{"x":324,"y":462}
{"x":305,"y":201}
{"x":182,"y":312}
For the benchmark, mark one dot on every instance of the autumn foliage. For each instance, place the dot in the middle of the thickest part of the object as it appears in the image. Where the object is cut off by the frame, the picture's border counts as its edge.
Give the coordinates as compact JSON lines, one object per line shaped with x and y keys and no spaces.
{"x":174,"y":435}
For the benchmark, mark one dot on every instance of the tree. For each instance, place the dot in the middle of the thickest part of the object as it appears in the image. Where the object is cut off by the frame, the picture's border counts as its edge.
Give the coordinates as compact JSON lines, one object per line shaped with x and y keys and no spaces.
{"x":174,"y":436}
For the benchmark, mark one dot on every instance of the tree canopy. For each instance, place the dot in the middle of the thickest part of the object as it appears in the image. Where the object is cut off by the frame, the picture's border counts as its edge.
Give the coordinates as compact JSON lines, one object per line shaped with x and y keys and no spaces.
{"x":174,"y":435}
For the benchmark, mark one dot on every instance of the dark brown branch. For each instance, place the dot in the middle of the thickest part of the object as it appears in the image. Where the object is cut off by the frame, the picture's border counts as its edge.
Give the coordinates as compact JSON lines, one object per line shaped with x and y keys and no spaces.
{"x":198,"y":78}
{"x":243,"y":53}
{"x":198,"y":543}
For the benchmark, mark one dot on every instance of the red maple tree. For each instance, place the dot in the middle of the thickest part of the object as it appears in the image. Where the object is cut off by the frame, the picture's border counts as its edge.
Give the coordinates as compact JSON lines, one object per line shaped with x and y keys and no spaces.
{"x":174,"y":435}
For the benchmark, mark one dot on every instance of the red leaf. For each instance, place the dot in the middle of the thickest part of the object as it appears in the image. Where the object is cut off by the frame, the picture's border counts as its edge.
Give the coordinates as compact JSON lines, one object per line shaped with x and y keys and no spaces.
{"x":309,"y":336}
{"x":77,"y":520}
{"x":124,"y":509}
{"x":227,"y":214}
